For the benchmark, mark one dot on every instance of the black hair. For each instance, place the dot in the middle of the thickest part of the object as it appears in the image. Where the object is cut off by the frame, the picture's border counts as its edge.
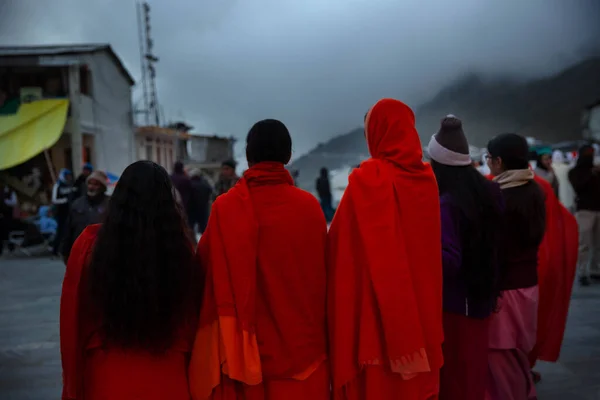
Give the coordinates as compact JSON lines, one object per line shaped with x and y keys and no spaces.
{"x":471,"y":193}
{"x":512,"y":149}
{"x":178,"y":167}
{"x":142,"y":276}
{"x":229,"y":163}
{"x":539,"y":160}
{"x":268,"y":140}
{"x":585,"y":156}
{"x":324,"y":172}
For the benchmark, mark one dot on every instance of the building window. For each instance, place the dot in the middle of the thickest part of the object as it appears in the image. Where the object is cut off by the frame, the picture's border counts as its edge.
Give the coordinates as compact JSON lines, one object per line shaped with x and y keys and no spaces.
{"x":85,"y":81}
{"x":149,"y":155}
{"x":158,"y":155}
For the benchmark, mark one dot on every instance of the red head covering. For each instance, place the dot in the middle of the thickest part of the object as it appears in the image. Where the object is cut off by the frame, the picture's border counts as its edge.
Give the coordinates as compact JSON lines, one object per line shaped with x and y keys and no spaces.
{"x":385,"y":264}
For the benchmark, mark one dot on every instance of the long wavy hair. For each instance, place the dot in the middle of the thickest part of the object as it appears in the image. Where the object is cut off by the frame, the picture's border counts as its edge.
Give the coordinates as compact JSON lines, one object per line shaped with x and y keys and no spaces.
{"x":142,"y":275}
{"x":471,"y":194}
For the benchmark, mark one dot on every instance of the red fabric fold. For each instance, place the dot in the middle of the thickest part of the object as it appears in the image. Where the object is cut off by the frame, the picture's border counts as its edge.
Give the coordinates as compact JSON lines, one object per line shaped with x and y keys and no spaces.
{"x":556,"y":273}
{"x":384,"y":258}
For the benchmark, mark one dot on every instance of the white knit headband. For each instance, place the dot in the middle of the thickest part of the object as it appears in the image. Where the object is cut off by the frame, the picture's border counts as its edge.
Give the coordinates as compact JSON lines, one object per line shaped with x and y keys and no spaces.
{"x":444,"y":156}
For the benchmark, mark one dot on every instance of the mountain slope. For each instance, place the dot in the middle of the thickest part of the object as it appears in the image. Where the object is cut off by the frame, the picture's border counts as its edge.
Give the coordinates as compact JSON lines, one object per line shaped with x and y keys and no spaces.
{"x":548,"y":109}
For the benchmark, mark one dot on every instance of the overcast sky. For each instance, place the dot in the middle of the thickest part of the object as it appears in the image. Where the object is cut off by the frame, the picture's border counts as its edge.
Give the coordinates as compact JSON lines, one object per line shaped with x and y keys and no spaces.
{"x":317,"y":65}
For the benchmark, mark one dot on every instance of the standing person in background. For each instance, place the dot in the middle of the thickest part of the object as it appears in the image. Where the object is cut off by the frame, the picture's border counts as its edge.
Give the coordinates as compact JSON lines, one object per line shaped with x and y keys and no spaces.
{"x":199,"y":201}
{"x":87,"y":210}
{"x":262,"y":332}
{"x":585,"y":179}
{"x":323,"y":187}
{"x":62,"y":194}
{"x":227,"y":179}
{"x":183,"y":185}
{"x":470,"y":204}
{"x":385,"y":269}
{"x":543,"y":168}
{"x":513,"y":328}
{"x":566,"y":195}
{"x":130,"y":296}
{"x":80,"y":185}
{"x":9,"y":214}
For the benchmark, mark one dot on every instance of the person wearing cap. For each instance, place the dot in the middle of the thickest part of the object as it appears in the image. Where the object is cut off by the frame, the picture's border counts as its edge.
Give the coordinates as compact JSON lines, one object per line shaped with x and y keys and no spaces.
{"x":585,"y":180}
{"x":87,"y":210}
{"x":227,"y":179}
{"x":469,"y":205}
{"x":80,"y":185}
{"x":513,"y":327}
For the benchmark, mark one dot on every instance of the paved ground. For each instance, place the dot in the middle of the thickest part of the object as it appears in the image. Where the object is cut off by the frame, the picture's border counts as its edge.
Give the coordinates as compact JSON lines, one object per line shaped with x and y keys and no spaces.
{"x":30,"y":361}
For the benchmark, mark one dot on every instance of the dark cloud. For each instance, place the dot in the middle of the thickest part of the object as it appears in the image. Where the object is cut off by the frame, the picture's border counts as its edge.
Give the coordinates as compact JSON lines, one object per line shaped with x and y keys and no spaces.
{"x":316,"y":65}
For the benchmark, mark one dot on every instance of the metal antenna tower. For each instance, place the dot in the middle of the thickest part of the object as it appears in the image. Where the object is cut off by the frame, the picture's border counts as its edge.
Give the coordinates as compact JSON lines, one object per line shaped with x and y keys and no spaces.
{"x":148,"y":60}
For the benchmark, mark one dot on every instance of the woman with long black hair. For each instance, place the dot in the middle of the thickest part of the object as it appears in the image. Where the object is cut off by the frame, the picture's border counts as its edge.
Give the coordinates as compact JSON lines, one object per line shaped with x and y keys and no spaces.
{"x":130,"y":296}
{"x":471,"y":210}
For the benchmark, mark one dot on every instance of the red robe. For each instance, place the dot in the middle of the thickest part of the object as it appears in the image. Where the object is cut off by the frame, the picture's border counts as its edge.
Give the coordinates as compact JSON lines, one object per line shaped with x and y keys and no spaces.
{"x":91,"y":370}
{"x":262,"y":332}
{"x":556,"y":273}
{"x":385,"y":269}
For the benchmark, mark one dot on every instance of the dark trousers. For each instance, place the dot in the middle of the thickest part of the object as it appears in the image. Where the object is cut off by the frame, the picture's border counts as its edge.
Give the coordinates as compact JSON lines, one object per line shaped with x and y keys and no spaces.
{"x":61,"y":221}
{"x":199,"y":219}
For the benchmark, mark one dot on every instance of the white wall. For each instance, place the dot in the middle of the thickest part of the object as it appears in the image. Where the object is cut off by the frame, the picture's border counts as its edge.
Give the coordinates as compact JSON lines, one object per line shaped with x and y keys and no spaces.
{"x":110,"y":114}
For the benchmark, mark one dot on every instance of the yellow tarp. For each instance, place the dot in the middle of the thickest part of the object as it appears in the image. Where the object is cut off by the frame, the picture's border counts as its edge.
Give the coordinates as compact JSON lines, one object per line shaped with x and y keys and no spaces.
{"x":35,"y":127}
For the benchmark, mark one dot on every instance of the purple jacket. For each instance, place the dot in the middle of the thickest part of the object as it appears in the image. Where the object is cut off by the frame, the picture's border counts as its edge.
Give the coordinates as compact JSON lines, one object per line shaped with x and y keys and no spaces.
{"x":455,"y":289}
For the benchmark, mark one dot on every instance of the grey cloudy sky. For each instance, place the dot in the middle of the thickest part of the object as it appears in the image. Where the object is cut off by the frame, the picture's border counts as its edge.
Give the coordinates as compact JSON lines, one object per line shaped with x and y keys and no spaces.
{"x":315,"y":64}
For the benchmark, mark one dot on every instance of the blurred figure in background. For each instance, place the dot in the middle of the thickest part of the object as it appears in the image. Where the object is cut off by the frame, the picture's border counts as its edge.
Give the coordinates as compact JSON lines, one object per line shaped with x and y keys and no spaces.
{"x":385,"y":269}
{"x":80,"y":185}
{"x":543,"y":168}
{"x":323,"y":186}
{"x":227,"y":179}
{"x":130,"y":296}
{"x":561,"y":168}
{"x":263,"y":314}
{"x":62,"y":194}
{"x":201,"y":194}
{"x":87,"y":210}
{"x":513,"y":328}
{"x":183,"y":185}
{"x":585,"y":179}
{"x":470,"y":204}
{"x":9,"y":214}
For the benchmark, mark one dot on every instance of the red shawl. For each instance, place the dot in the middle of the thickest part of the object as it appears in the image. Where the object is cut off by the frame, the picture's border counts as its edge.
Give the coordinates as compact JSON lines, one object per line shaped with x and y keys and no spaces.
{"x":73,"y":339}
{"x":556,"y":273}
{"x":230,"y":340}
{"x":384,"y":257}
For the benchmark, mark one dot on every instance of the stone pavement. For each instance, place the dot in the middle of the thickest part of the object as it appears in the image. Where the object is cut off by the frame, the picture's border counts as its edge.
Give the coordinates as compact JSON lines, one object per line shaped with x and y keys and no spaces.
{"x":30,"y":358}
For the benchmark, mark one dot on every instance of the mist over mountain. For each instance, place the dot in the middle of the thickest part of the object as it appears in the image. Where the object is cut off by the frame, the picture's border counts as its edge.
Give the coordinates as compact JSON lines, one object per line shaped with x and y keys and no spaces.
{"x":548,"y":109}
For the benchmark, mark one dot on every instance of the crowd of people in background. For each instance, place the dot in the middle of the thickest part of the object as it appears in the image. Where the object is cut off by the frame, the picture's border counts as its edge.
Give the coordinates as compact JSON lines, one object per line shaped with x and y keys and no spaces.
{"x":435,"y":279}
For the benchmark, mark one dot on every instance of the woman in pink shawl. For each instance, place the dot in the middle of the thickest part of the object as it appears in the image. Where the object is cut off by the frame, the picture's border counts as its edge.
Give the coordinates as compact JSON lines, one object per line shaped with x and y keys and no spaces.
{"x":513,"y":327}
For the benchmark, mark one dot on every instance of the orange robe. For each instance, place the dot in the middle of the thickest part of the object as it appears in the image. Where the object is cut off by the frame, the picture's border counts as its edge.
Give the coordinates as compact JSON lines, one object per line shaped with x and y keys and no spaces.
{"x":91,"y":370}
{"x":556,"y":273}
{"x":385,"y":269}
{"x":262,"y":332}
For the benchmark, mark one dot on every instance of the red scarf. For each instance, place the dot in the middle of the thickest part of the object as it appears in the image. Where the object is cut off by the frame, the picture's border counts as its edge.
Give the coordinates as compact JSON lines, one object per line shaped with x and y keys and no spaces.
{"x":385,"y":263}
{"x":557,"y":259}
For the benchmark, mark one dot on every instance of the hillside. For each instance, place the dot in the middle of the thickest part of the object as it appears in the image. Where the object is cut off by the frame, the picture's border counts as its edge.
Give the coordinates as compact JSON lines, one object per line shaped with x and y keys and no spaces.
{"x":548,"y":109}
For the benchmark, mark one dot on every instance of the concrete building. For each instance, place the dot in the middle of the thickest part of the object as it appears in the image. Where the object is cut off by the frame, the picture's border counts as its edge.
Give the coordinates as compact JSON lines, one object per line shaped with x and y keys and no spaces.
{"x":99,"y":125}
{"x":207,"y":152}
{"x":164,"y":146}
